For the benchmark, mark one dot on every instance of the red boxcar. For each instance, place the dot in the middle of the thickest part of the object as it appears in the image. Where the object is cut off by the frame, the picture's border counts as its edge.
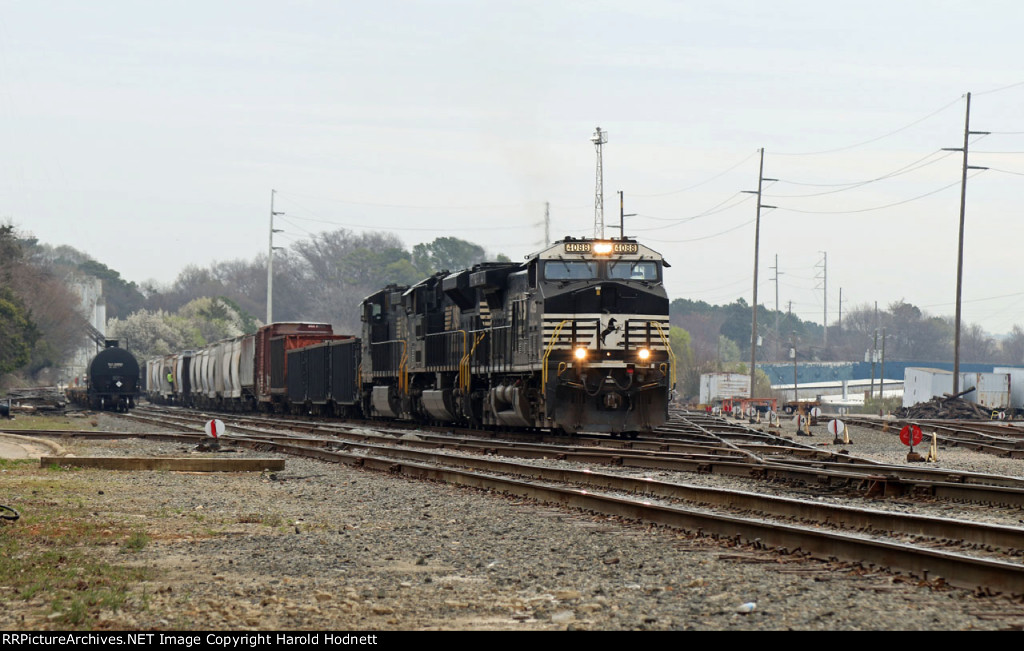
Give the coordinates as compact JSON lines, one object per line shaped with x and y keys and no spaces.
{"x":272,"y":342}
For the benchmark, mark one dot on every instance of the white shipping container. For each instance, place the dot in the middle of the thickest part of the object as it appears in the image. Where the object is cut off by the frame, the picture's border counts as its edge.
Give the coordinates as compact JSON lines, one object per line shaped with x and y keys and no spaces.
{"x":922,"y":384}
{"x":1016,"y":384}
{"x":718,"y":386}
{"x":990,"y":389}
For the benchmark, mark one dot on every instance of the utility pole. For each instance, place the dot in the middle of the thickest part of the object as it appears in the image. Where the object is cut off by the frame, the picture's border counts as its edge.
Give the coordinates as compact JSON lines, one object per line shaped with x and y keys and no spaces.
{"x":776,"y":279}
{"x":599,"y":138}
{"x":757,"y":244}
{"x":881,"y":379}
{"x":270,"y":261}
{"x":622,"y":216}
{"x":792,"y":353}
{"x":960,"y":248}
{"x":874,"y":358}
{"x":840,"y":309}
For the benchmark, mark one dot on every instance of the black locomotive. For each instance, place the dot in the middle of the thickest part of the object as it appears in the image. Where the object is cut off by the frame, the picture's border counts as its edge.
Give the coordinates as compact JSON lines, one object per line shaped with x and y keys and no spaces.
{"x":573,"y":339}
{"x":112,"y":380}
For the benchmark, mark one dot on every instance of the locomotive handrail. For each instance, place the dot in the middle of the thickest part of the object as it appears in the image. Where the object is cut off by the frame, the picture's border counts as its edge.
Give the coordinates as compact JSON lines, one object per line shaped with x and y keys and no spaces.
{"x":403,"y":369}
{"x":464,"y":364}
{"x":547,"y":353}
{"x":668,"y":347}
{"x":464,"y":337}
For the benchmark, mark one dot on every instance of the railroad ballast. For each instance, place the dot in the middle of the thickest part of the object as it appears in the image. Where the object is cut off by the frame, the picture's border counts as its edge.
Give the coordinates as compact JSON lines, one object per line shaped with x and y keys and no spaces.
{"x":576,"y":338}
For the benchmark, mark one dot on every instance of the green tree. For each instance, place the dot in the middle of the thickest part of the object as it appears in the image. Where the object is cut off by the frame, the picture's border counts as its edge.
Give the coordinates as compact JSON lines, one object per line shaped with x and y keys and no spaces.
{"x":19,"y":333}
{"x":728,"y":353}
{"x":687,"y":372}
{"x":151,"y":334}
{"x":208,"y":320}
{"x":446,"y":254}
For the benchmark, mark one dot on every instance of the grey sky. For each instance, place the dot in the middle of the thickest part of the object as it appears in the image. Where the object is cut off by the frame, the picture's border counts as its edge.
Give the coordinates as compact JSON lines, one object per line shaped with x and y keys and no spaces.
{"x":151,"y":134}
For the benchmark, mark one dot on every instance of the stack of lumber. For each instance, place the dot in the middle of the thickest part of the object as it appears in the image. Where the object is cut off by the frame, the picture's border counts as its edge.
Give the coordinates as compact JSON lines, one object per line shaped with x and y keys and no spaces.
{"x":30,"y":399}
{"x":949,"y":407}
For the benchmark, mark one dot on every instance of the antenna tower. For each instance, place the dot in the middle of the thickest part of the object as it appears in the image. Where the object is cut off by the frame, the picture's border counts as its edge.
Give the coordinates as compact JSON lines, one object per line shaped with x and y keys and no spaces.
{"x":599,"y":138}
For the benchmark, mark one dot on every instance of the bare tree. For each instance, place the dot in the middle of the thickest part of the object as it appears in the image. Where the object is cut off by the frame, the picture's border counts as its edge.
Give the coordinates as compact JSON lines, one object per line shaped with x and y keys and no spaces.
{"x":1013,"y":346}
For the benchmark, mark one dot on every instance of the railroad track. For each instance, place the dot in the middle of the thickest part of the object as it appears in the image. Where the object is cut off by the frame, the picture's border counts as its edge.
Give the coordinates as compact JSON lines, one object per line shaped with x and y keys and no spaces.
{"x":1003,"y":440}
{"x":964,"y":554}
{"x":736,"y":451}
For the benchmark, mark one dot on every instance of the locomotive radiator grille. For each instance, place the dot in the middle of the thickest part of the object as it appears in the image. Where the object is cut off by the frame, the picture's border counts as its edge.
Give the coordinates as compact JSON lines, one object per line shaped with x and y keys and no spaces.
{"x":605,"y":332}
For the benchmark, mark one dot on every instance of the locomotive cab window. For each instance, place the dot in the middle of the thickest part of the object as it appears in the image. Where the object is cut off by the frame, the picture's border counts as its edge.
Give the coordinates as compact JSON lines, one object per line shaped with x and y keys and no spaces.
{"x":633,"y":270}
{"x":570,"y":270}
{"x":373,"y":312}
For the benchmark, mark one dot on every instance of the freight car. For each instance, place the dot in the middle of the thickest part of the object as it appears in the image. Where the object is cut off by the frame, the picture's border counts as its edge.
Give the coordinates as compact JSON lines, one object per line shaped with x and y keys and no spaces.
{"x":244,"y":373}
{"x":573,"y":339}
{"x":112,"y":380}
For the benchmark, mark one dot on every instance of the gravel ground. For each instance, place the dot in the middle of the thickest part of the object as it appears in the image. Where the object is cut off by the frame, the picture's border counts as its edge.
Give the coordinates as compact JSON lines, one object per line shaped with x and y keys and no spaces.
{"x":323,"y":547}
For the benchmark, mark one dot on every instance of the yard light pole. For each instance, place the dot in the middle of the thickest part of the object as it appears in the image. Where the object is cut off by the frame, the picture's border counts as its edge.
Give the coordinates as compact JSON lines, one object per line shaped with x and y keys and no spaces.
{"x":270,"y":261}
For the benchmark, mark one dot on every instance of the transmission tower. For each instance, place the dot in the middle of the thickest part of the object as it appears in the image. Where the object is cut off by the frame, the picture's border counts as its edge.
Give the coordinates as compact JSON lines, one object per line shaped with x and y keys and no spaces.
{"x":824,"y":287}
{"x":547,"y":223}
{"x":599,"y":138}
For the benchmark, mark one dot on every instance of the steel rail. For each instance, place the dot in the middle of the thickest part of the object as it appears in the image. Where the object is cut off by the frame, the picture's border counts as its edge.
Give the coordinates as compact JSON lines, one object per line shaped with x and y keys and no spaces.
{"x":885,"y":481}
{"x":953,"y":568}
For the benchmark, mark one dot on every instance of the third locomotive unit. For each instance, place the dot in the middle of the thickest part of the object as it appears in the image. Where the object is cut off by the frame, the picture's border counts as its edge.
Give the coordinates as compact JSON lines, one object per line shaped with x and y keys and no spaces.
{"x":574,"y":339}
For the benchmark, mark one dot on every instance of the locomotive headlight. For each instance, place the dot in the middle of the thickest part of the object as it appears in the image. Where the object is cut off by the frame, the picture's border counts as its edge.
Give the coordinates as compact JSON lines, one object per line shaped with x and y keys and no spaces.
{"x":581,"y":353}
{"x":602,"y":247}
{"x":644,"y":354}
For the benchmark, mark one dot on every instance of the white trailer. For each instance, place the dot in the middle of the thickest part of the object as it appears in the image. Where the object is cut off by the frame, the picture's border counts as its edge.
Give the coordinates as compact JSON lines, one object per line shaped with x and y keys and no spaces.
{"x":719,"y":386}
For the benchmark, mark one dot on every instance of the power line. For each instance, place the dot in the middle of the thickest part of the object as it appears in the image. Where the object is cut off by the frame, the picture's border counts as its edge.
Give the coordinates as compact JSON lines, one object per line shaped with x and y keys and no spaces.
{"x":898,"y":203}
{"x":409,"y":228}
{"x":394,"y":205}
{"x":906,"y":169}
{"x":714,"y":210}
{"x":977,"y":300}
{"x":708,"y":237}
{"x":997,"y":90}
{"x":996,"y":169}
{"x":868,"y":142}
{"x":697,"y":185}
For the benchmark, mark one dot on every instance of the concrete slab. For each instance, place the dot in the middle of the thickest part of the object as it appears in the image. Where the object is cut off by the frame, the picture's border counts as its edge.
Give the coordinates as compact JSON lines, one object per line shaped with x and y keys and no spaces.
{"x":16,"y":446}
{"x":186,"y":464}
